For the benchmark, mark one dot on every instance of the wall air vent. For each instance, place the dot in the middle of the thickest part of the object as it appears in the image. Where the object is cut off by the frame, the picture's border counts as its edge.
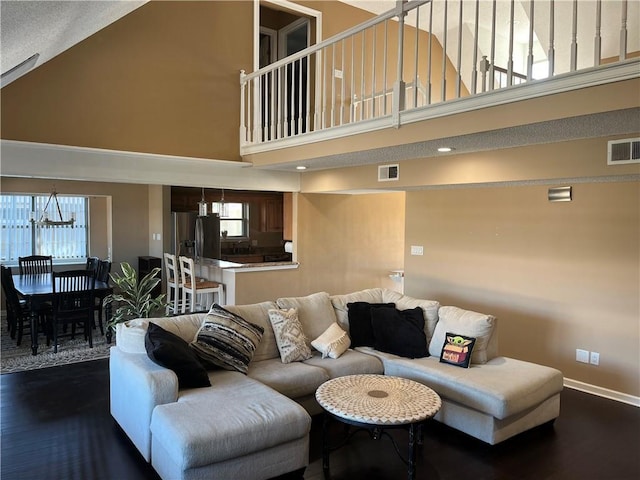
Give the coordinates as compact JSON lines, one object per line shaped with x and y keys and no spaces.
{"x":387,"y":173}
{"x":623,"y":151}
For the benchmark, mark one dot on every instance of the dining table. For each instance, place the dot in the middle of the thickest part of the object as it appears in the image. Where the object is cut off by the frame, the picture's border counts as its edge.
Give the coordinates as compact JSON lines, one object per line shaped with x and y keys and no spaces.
{"x":37,"y":289}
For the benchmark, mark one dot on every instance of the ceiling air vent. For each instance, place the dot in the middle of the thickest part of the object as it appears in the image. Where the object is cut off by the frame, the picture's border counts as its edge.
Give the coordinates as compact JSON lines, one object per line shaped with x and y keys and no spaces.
{"x":623,"y":151}
{"x":388,"y":173}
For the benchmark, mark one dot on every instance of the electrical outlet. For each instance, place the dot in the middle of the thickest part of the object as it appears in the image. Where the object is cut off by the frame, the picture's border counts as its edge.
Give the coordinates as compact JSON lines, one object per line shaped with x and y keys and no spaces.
{"x":417,"y":250}
{"x":594,"y":359}
{"x":582,"y":355}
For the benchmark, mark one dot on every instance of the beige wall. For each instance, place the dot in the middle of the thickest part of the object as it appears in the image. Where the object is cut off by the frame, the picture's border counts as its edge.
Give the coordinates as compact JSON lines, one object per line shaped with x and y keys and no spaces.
{"x":575,"y":159}
{"x":163,"y":79}
{"x":345,"y":243}
{"x":129,"y":213}
{"x":559,"y":276}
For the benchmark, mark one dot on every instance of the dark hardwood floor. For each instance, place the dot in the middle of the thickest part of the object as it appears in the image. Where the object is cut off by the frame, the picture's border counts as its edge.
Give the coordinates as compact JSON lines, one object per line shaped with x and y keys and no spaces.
{"x":56,"y":425}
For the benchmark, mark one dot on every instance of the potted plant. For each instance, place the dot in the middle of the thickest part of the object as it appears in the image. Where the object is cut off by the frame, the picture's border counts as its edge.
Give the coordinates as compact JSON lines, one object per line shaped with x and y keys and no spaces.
{"x":132,"y":298}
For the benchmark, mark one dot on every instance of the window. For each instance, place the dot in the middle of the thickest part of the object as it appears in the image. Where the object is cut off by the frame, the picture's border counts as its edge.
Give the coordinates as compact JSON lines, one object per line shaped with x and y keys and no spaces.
{"x":236,"y":221}
{"x":19,"y":237}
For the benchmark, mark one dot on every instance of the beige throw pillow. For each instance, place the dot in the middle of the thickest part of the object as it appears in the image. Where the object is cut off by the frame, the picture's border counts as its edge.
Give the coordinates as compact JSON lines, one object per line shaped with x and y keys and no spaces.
{"x":333,"y":342}
{"x":290,"y":337}
{"x":464,"y":322}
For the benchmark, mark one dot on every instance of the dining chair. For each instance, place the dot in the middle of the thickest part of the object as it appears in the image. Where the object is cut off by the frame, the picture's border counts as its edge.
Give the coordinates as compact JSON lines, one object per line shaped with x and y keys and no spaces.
{"x":92,"y":263}
{"x":193,"y":288}
{"x":174,"y":284}
{"x":102,"y":271}
{"x":73,"y":302}
{"x":18,"y":312}
{"x":35,"y":264}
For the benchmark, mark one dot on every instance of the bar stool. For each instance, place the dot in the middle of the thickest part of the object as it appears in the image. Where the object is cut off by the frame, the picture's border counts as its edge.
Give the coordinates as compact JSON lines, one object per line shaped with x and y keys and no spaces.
{"x":192,"y":286}
{"x":174,"y":284}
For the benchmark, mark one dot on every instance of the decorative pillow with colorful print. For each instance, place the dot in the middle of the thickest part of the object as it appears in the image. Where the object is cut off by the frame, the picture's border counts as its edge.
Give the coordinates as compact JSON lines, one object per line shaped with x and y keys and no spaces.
{"x":457,"y":350}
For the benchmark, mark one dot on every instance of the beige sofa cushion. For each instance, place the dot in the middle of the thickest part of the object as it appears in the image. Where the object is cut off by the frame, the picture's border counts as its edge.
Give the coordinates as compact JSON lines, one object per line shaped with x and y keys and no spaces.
{"x":258,"y":314}
{"x":339,"y":302}
{"x":468,"y":323}
{"x":315,"y":313}
{"x":405,"y":302}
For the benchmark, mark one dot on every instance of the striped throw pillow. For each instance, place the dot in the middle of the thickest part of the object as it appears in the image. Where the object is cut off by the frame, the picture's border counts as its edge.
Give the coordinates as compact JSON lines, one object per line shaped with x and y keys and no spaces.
{"x":226,"y":340}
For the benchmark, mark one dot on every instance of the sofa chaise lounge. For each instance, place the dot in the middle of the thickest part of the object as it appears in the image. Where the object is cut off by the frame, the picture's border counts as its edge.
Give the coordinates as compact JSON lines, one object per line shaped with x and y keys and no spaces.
{"x":256,"y":426}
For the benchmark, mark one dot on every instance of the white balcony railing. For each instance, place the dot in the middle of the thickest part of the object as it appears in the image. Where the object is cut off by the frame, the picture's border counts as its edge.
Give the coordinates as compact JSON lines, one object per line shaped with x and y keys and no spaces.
{"x":394,"y":63}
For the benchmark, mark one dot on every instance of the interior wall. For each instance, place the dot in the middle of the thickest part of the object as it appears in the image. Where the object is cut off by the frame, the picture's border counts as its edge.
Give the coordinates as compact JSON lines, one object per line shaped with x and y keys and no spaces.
{"x":559,"y":276}
{"x":344,"y":243}
{"x":99,"y":238}
{"x":163,"y":79}
{"x":129,"y":220}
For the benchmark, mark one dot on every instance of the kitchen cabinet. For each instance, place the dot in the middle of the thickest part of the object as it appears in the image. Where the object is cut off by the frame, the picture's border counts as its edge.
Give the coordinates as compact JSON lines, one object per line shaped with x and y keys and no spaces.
{"x":271,"y":215}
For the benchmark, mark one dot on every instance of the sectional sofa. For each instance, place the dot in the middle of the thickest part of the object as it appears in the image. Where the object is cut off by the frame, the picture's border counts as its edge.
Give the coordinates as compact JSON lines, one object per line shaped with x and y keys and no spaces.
{"x":256,"y":424}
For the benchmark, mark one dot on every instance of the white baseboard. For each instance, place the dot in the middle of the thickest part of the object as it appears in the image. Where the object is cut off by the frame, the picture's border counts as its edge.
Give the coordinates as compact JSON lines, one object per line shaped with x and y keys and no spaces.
{"x":602,"y":392}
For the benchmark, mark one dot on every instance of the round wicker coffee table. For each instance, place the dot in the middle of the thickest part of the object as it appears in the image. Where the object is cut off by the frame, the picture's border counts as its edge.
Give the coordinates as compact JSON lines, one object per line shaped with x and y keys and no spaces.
{"x":376,"y":403}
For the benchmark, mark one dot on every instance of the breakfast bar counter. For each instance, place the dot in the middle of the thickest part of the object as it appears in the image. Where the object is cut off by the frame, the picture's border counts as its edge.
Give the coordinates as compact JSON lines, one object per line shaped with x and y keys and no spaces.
{"x":228,"y":273}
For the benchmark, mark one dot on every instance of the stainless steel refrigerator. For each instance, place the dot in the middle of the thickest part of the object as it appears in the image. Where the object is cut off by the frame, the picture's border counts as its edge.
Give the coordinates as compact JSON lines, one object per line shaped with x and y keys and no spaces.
{"x":195,"y":236}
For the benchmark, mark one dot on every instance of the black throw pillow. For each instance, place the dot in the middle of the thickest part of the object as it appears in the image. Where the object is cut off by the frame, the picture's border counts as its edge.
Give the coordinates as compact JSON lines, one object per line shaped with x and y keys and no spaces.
{"x":360,"y":330}
{"x":170,"y":351}
{"x":400,"y":332}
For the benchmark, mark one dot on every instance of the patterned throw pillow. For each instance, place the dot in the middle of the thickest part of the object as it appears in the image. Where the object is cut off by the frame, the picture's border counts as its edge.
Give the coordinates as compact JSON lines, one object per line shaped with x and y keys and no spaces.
{"x":291,"y":340}
{"x":226,"y":340}
{"x":333,"y":342}
{"x":457,"y":350}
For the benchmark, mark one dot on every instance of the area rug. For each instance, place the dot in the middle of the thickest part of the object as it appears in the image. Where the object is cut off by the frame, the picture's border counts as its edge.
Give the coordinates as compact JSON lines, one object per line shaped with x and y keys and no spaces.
{"x":18,"y":359}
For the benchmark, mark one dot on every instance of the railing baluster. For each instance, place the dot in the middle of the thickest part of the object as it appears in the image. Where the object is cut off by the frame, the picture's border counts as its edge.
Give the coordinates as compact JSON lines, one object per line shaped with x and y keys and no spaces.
{"x":275,"y":105}
{"x":362,"y":91}
{"x":373,"y":75}
{"x":551,"y":51}
{"x":443,"y":85}
{"x":342,"y":89}
{"x":300,"y":102}
{"x":243,"y":127}
{"x":459,"y":65}
{"x":352,"y":94}
{"x":574,"y":37}
{"x":333,"y":84}
{"x":429,"y":61}
{"x":510,"y":60}
{"x":530,"y":46}
{"x":384,"y":67}
{"x":474,"y":72}
{"x":597,"y":49}
{"x":324,"y":92}
{"x":415,"y":60}
{"x":399,"y":86}
{"x":623,"y":32}
{"x":307,"y":126}
{"x":493,"y":48}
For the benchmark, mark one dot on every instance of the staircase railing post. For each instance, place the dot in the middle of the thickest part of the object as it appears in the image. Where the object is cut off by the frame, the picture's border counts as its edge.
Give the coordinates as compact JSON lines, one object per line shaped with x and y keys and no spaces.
{"x":399,"y":85}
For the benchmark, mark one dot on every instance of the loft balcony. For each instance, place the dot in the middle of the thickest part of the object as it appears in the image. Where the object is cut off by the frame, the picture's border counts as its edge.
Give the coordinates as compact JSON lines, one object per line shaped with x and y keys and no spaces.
{"x":430,"y":59}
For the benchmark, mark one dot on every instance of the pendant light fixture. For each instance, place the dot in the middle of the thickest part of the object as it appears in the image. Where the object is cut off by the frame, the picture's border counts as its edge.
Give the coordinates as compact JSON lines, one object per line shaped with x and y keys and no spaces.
{"x":221,"y":208}
{"x":202,"y":206}
{"x":45,"y":221}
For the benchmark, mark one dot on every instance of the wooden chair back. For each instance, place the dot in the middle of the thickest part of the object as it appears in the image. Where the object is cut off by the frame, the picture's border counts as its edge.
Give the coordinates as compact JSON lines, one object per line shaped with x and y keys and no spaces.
{"x":35,"y":264}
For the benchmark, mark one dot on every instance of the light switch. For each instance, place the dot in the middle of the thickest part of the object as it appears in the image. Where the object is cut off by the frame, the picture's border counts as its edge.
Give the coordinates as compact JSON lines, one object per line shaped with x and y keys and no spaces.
{"x":417,"y":250}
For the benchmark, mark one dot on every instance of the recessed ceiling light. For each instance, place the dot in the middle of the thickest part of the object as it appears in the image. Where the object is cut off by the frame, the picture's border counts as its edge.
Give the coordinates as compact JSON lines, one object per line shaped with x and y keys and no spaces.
{"x":445,"y":149}
{"x":301,"y":167}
